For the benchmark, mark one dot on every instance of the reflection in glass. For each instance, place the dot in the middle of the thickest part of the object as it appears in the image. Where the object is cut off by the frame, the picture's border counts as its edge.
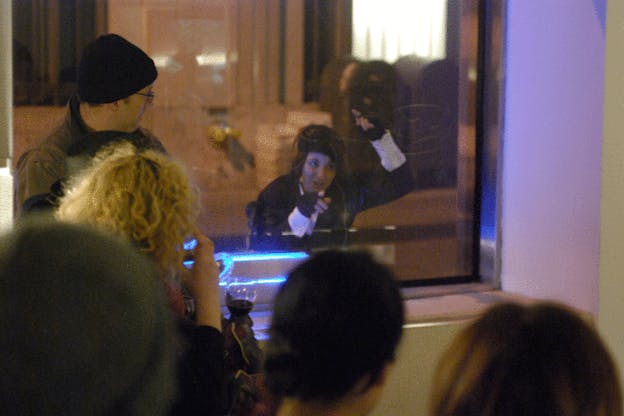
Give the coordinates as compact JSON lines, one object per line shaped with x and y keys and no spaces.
{"x":316,"y":202}
{"x":238,"y":80}
{"x":240,"y":296}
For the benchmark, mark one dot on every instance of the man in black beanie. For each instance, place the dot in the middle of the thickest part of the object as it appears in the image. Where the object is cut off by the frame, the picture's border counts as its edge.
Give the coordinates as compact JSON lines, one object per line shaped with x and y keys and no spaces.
{"x":115,"y":80}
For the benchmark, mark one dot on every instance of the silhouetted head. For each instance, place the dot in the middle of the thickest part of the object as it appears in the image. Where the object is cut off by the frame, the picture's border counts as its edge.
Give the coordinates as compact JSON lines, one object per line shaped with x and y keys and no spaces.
{"x":337,"y":321}
{"x":85,"y":326}
{"x":534,"y":360}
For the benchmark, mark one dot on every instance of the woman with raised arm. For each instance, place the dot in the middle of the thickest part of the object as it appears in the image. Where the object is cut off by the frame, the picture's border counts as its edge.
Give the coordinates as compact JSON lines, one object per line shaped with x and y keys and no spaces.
{"x":320,"y":193}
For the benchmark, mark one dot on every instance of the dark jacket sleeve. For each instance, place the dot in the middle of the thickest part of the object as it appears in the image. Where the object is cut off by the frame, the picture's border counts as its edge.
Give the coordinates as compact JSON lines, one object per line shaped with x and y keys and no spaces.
{"x":37,"y":170}
{"x":381,"y":188}
{"x":201,"y":376}
{"x":268,"y":216}
{"x":269,"y":213}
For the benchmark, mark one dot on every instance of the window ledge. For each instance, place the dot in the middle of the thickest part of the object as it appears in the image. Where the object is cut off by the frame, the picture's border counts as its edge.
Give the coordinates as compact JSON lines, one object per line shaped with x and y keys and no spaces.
{"x":425,"y":306}
{"x":465,"y":302}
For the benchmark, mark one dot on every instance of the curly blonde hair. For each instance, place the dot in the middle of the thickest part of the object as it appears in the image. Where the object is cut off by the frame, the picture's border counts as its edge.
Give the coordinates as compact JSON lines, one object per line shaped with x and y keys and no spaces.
{"x":141,"y":195}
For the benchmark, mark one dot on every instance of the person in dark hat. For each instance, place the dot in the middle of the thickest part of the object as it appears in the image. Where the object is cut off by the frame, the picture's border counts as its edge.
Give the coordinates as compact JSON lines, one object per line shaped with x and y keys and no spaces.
{"x":115,"y":81}
{"x":85,"y":325}
{"x":319,"y":192}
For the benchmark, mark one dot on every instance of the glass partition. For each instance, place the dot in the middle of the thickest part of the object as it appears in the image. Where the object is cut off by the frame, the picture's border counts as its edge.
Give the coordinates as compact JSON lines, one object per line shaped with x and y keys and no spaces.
{"x":238,"y":80}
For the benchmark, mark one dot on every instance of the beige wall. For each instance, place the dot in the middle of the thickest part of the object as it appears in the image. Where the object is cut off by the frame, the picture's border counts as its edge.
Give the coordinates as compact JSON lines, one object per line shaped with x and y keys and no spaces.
{"x":611,"y":288}
{"x":407,"y":392}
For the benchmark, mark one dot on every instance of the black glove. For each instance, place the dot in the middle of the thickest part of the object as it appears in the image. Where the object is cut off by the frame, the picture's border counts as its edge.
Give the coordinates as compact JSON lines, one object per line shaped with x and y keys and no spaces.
{"x":374,"y":133}
{"x":306,"y":202}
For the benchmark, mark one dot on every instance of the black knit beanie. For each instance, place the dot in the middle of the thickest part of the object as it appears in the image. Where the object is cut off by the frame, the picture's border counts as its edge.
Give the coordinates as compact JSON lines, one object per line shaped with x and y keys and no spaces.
{"x":111,"y":68}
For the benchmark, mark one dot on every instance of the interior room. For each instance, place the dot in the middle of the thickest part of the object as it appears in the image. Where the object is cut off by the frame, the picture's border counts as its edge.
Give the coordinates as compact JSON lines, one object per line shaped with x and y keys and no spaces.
{"x":257,"y":73}
{"x":528,"y":209}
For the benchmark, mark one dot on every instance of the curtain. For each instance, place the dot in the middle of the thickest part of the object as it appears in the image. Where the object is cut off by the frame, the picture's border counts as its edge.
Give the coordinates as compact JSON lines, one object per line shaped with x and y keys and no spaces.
{"x":389,"y":29}
{"x":48,"y":38}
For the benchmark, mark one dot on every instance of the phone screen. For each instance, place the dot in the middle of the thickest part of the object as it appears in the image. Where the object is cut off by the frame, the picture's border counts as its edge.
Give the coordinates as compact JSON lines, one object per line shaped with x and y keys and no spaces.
{"x":188,"y":246}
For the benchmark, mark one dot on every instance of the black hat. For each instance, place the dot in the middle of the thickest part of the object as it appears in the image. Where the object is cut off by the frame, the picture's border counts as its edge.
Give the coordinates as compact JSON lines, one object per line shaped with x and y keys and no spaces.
{"x":111,"y":68}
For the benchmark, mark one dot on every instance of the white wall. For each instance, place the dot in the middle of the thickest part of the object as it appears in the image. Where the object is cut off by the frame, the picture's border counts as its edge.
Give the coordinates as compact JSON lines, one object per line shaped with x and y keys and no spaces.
{"x":552,"y":150}
{"x":563,"y":179}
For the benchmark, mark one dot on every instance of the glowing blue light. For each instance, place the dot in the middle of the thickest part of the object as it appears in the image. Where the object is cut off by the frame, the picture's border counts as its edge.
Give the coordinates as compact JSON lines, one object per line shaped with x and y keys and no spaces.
{"x":189,"y":244}
{"x":297,"y":255}
{"x":260,"y":281}
{"x":228,"y":260}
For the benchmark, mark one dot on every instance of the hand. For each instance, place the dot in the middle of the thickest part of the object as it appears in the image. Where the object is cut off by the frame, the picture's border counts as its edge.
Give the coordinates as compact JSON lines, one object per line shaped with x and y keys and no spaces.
{"x":322,"y":205}
{"x":371,"y":127}
{"x":311,"y":202}
{"x":306,"y":203}
{"x":203,"y":283}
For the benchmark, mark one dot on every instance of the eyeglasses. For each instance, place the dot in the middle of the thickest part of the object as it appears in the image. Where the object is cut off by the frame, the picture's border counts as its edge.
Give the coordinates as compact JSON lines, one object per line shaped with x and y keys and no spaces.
{"x":150,"y":96}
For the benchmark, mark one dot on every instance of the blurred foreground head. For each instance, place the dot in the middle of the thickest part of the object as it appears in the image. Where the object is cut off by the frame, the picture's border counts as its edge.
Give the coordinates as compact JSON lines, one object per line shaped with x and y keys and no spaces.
{"x":335,"y":327}
{"x":535,"y":360}
{"x":85,"y":327}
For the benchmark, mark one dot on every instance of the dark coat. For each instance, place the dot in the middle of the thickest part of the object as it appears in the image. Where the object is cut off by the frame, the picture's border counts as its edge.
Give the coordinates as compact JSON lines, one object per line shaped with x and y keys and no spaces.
{"x":201,"y":373}
{"x":42,"y":168}
{"x":268,"y":215}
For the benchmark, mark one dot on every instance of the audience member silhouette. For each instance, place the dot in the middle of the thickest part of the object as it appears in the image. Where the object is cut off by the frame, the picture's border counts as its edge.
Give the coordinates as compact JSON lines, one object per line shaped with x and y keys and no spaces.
{"x":146,"y":197}
{"x":335,"y":327}
{"x":85,"y":326}
{"x":537,"y":360}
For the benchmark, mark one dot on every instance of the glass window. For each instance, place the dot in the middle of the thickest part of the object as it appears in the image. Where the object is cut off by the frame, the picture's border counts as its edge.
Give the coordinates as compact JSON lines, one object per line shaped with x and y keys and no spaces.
{"x":238,"y":80}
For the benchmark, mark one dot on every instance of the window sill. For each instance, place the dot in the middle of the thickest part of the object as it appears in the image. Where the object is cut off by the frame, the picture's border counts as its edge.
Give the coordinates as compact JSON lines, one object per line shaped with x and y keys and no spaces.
{"x":453,"y":303}
{"x":425,"y":306}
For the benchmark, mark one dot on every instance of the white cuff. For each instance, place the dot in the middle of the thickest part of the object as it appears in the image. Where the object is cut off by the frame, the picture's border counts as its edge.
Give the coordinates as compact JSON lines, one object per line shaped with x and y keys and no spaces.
{"x":391,"y":156}
{"x":298,"y":222}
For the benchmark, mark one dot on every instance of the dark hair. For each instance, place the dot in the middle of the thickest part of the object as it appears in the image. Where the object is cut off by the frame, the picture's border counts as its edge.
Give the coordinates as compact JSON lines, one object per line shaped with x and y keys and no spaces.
{"x":372,"y":90}
{"x":527,"y":360}
{"x":337,"y":319}
{"x":320,"y":139}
